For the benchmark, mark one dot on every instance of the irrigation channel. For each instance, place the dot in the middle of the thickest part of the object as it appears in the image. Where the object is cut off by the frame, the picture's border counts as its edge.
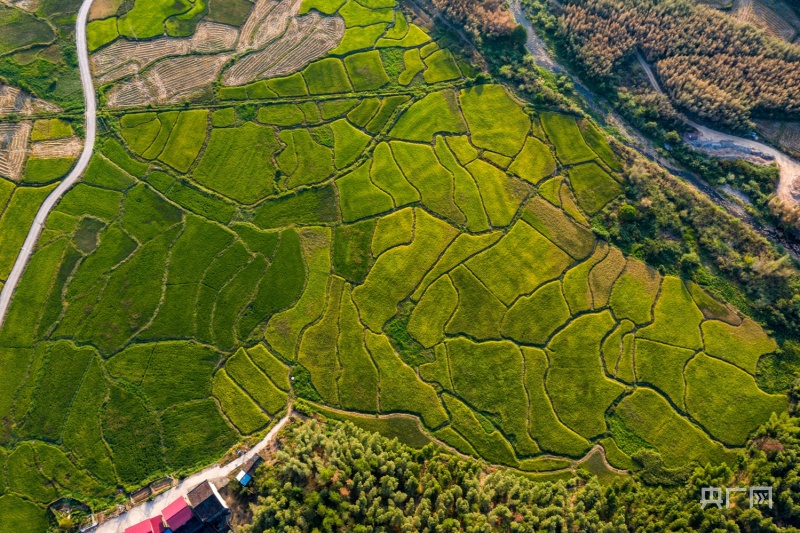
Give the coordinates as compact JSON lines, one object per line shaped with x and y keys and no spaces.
{"x":88,"y":147}
{"x":789,"y":185}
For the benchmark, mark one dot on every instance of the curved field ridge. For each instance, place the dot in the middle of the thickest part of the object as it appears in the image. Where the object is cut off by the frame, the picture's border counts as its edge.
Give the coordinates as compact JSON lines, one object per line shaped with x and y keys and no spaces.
{"x":274,"y":41}
{"x":124,"y":57}
{"x":383,"y":253}
{"x":283,"y":46}
{"x":74,"y":175}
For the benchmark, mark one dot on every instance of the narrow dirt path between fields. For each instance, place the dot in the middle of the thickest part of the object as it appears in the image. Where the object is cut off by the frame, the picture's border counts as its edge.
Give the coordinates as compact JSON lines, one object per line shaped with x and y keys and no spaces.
{"x":88,"y":146}
{"x":154,"y":507}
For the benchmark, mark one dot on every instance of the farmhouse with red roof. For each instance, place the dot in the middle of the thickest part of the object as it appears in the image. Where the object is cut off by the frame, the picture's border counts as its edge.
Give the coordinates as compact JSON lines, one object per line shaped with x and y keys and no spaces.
{"x":177,"y":513}
{"x":151,"y":525}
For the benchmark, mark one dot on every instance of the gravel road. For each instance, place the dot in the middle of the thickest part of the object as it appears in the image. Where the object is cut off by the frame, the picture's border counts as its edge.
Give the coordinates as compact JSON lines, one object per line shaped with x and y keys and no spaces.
{"x":789,"y":184}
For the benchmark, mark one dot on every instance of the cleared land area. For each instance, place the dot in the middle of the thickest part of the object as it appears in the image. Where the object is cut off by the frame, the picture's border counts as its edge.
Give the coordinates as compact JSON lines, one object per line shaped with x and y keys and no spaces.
{"x":13,"y":100}
{"x":773,"y":16}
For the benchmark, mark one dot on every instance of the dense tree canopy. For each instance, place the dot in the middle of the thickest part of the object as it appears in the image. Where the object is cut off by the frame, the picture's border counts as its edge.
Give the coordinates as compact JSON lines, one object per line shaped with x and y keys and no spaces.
{"x":336,"y":477}
{"x":708,"y":64}
{"x":482,"y":18}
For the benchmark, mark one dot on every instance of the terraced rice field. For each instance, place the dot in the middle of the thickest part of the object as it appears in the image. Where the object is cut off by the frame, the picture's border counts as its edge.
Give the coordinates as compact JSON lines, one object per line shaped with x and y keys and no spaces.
{"x":274,"y":40}
{"x":125,"y":57}
{"x":370,"y":249}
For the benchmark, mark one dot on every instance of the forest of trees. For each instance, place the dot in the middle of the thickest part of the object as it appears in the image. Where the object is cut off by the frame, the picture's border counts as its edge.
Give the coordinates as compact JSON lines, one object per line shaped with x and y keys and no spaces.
{"x":335,"y":477}
{"x":481,"y":18}
{"x":709,"y":65}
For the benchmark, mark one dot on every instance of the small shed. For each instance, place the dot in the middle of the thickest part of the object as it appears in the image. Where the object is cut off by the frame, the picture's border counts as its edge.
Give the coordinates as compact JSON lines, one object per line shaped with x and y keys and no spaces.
{"x":245,"y":475}
{"x":243,"y":478}
{"x":250,"y":466}
{"x":177,"y":513}
{"x":151,"y":525}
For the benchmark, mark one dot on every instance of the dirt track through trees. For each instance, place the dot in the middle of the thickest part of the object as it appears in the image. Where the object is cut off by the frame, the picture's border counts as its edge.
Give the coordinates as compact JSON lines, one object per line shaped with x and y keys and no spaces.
{"x":709,"y":140}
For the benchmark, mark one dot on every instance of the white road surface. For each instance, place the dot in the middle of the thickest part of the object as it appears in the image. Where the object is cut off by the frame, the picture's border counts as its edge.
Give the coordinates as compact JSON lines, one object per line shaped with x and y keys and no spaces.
{"x":156,"y":505}
{"x":789,"y":183}
{"x":88,"y":146}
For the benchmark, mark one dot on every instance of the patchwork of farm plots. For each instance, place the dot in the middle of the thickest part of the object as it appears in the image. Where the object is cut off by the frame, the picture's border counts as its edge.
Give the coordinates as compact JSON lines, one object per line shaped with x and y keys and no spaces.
{"x":383,"y":237}
{"x":34,"y":155}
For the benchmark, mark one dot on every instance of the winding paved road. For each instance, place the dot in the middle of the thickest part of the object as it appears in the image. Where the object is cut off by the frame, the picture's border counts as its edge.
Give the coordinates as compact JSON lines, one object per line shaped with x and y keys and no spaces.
{"x":88,"y":147}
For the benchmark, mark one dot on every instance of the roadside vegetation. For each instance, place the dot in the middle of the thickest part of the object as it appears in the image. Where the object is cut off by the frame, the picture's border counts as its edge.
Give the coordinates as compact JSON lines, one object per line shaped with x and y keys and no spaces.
{"x":38,"y":51}
{"x":364,"y":234}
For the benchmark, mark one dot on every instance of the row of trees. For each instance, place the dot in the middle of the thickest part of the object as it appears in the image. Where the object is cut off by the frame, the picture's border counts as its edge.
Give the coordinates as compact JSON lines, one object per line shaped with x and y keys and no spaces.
{"x":710,"y":65}
{"x":336,"y":477}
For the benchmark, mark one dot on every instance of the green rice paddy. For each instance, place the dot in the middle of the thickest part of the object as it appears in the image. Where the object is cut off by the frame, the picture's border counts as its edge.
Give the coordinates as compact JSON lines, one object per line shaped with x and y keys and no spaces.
{"x":385,"y":247}
{"x":21,"y":29}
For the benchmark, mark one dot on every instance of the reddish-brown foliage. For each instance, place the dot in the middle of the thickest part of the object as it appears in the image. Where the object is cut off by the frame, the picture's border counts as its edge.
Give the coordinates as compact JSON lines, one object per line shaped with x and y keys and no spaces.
{"x":482,"y":18}
{"x":706,"y":62}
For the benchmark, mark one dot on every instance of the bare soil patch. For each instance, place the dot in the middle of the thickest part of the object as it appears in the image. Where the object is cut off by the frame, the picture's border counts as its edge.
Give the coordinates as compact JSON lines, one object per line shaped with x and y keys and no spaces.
{"x":776,"y":19}
{"x":13,"y":146}
{"x":307,"y":38}
{"x":102,"y":9}
{"x":123,"y":58}
{"x":268,"y":21}
{"x":13,"y":100}
{"x":25,"y":5}
{"x":168,"y":81}
{"x":57,"y":148}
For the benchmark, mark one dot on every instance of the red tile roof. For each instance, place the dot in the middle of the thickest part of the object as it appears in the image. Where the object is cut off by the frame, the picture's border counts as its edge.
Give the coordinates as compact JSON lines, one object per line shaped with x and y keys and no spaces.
{"x":177,"y":513}
{"x":151,"y":525}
